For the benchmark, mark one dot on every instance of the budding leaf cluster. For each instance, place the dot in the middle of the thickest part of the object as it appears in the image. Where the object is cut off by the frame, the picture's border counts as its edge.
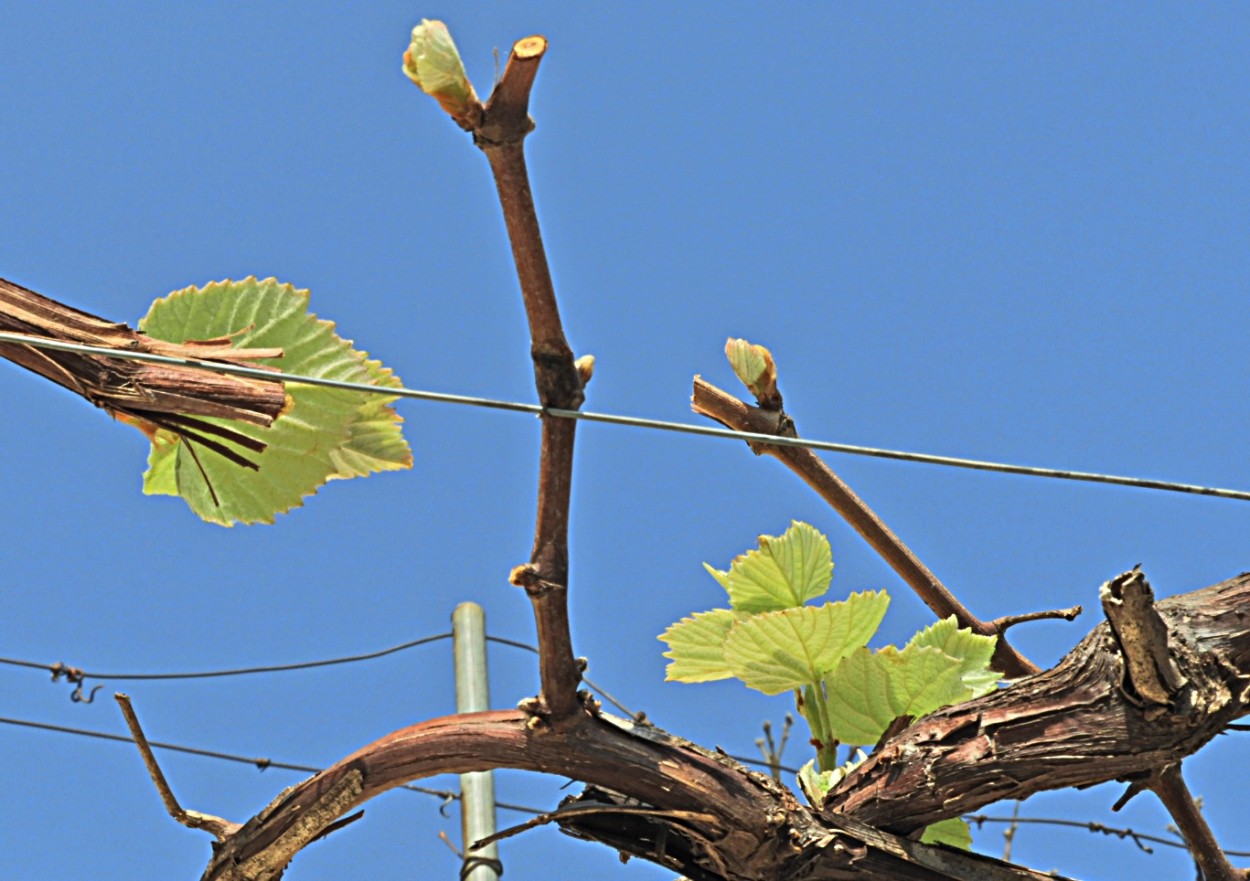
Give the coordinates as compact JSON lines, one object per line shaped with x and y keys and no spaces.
{"x":775,"y":639}
{"x":433,"y":63}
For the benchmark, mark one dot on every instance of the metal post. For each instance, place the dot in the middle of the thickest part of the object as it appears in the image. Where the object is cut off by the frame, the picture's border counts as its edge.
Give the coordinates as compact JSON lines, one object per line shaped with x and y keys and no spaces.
{"x":477,"y":789}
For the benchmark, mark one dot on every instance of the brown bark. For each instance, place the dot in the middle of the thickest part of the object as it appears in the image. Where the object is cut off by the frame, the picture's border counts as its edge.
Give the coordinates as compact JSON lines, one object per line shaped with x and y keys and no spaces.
{"x":1131,"y":700}
{"x":170,"y":396}
{"x":1074,"y":725}
{"x":1078,"y":724}
{"x":735,"y":823}
{"x":500,"y":133}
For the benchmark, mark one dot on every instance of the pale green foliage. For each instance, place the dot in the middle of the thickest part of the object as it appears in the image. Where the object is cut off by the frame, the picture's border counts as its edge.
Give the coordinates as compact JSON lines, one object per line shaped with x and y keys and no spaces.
{"x":433,"y":63}
{"x":322,"y":434}
{"x":774,"y":641}
{"x":872,"y":689}
{"x":697,"y":647}
{"x":974,"y":652}
{"x":954,"y":832}
{"x":815,"y":784}
{"x":754,"y":366}
{"x":784,"y":573}
{"x":778,"y":651}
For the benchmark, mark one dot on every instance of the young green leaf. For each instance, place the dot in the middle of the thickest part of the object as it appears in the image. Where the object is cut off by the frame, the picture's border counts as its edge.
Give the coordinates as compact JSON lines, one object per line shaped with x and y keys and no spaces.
{"x":777,"y":651}
{"x":721,"y":576}
{"x":161,"y":478}
{"x":754,"y":366}
{"x":869,"y":690}
{"x":785,"y":572}
{"x":857,"y":697}
{"x":375,"y":442}
{"x":816,"y":784}
{"x":971,"y":650}
{"x":922,"y":679}
{"x":697,"y":647}
{"x":954,"y":832}
{"x":433,"y":63}
{"x":322,"y":434}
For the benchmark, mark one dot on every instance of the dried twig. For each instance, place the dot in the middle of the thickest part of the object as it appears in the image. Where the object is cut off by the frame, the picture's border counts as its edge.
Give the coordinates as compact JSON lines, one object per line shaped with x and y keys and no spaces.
{"x":1170,"y":787}
{"x":1001,"y":624}
{"x":1009,"y":834}
{"x":772,"y":748}
{"x":220,"y":829}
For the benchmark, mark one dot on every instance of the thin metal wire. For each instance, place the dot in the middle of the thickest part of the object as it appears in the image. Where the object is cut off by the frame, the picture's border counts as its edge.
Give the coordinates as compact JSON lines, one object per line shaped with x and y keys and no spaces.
{"x":1093,"y":827}
{"x":589,"y":682}
{"x":261,"y":764}
{"x":637,"y":422}
{"x":78,"y":675}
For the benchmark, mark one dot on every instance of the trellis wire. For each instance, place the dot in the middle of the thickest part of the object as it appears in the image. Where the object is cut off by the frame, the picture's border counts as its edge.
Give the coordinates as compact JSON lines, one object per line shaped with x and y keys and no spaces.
{"x":634,"y":421}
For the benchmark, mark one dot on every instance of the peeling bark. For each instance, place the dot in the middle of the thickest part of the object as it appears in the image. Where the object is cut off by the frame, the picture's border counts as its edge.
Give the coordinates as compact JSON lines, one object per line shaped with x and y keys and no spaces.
{"x":1075,"y":725}
{"x":170,"y":396}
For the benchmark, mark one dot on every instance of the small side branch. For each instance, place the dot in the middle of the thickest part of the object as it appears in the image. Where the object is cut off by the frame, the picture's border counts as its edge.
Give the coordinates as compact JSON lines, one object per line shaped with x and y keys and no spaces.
{"x":729,"y":411}
{"x":220,"y":829}
{"x":1069,"y":614}
{"x":1170,"y":787}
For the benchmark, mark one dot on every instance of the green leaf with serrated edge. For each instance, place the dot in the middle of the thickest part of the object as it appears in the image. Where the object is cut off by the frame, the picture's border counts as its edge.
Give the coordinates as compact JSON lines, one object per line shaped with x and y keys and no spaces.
{"x":303,"y":442}
{"x":777,"y":651}
{"x":922,"y":679}
{"x":721,"y":576}
{"x":857,"y":699}
{"x":972,"y":650}
{"x":433,"y":63}
{"x":786,"y":571}
{"x":697,"y":647}
{"x":869,"y":690}
{"x":376,"y":443}
{"x":954,"y":832}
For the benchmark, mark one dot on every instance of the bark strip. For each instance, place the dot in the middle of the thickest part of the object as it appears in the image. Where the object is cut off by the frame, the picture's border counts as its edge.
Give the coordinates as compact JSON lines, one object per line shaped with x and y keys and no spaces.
{"x":1075,"y":725}
{"x":146,"y":394}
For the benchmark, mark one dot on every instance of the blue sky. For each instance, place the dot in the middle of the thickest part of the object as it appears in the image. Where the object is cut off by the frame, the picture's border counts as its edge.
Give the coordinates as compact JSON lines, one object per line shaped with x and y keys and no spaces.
{"x":1011,"y":232}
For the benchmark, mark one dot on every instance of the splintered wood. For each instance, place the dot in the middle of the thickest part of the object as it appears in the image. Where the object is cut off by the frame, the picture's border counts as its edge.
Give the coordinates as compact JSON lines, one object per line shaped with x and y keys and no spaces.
{"x":148,"y":395}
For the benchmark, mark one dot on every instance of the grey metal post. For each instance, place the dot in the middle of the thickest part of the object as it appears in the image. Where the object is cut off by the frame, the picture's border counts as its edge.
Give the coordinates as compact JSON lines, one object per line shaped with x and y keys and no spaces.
{"x":477,"y":789}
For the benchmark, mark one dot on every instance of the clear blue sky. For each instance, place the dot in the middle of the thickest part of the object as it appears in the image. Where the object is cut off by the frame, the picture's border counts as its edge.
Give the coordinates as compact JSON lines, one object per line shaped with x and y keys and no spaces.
{"x":1013,"y":232}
